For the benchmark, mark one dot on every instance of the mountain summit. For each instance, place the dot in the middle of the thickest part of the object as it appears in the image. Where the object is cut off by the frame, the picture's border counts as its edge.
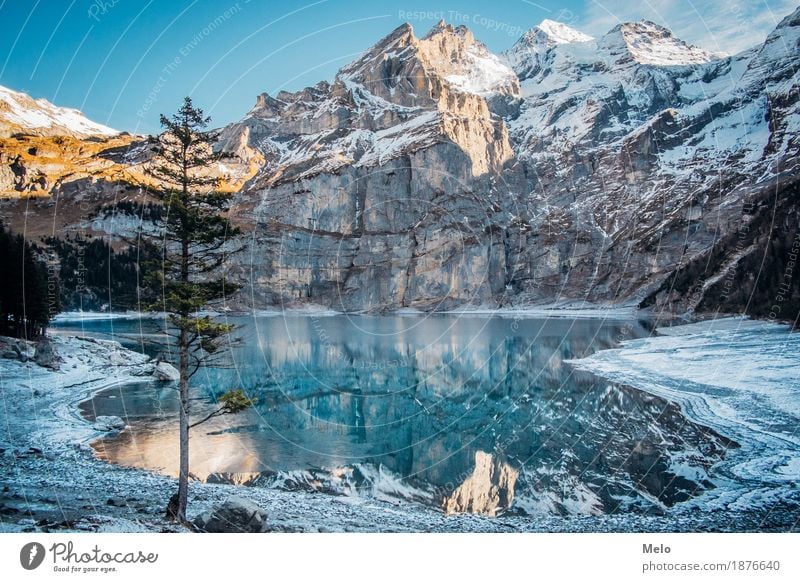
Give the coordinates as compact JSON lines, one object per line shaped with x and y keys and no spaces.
{"x":527,"y":51}
{"x":648,"y":43}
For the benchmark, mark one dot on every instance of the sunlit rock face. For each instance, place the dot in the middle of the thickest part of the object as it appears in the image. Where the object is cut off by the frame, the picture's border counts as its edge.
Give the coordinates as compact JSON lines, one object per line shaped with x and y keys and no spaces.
{"x":488,"y":491}
{"x":377,"y":189}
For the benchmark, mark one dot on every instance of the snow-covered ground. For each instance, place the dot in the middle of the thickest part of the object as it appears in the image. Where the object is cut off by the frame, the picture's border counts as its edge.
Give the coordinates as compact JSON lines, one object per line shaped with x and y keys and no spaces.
{"x":71,"y":316}
{"x":738,"y":377}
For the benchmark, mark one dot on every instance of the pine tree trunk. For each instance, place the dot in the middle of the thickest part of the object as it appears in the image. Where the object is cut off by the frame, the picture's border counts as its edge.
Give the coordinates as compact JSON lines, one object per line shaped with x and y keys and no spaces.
{"x":183,"y":476}
{"x":183,"y":349}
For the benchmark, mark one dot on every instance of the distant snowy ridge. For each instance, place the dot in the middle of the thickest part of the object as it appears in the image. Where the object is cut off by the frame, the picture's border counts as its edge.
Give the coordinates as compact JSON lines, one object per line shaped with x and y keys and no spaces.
{"x":21,"y":113}
{"x":651,"y":44}
{"x":527,"y":51}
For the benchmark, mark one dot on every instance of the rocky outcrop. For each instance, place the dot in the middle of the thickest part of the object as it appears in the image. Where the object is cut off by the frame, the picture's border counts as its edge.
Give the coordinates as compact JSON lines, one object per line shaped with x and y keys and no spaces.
{"x":166,"y":372}
{"x":46,"y":354}
{"x":15,"y":349}
{"x":108,"y":423}
{"x":488,"y":491}
{"x":234,"y":515}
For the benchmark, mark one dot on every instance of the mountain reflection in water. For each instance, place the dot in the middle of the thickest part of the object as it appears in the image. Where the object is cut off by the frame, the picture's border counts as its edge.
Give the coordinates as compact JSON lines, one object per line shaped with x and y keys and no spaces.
{"x":467,"y":413}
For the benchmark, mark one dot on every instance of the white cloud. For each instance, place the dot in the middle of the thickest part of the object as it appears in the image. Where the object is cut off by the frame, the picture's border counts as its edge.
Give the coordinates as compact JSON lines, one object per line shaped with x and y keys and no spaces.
{"x":718,"y":25}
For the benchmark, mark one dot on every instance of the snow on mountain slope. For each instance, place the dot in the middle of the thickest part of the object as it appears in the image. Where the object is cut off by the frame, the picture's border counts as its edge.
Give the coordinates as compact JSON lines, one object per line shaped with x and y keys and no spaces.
{"x":471,"y":67}
{"x":643,"y":146}
{"x":560,"y":33}
{"x":648,"y":43}
{"x":20,"y":113}
{"x":752,"y":117}
{"x":601,"y":95}
{"x":601,"y":90}
{"x":525,"y":56}
{"x":484,"y":73}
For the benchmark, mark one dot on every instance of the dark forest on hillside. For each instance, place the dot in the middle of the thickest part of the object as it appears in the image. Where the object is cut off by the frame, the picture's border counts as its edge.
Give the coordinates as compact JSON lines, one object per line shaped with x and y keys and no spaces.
{"x":29,"y":293}
{"x":95,"y":277}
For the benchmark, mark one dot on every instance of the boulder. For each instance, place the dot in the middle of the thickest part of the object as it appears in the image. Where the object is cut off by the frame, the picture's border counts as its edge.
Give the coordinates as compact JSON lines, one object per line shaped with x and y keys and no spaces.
{"x":119,"y":357}
{"x":147,"y":369}
{"x":15,"y":349}
{"x":166,"y":372}
{"x":46,"y":354}
{"x":108,"y":423}
{"x":234,"y":515}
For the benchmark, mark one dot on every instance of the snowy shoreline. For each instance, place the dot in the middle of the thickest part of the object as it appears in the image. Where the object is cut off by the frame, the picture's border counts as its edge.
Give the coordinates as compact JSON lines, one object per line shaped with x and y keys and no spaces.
{"x":560,"y":310}
{"x":739,"y":377}
{"x":54,"y":481}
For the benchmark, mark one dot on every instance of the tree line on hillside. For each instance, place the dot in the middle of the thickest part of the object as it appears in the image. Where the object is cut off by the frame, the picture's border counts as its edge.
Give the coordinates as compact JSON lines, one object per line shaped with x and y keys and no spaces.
{"x":29,"y":294}
{"x":95,"y":277}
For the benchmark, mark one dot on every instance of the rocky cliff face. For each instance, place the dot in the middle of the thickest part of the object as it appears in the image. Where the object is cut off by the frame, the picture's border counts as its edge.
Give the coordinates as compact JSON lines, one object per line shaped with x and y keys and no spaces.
{"x":378,"y":190}
{"x":648,"y":150}
{"x":433,"y":174}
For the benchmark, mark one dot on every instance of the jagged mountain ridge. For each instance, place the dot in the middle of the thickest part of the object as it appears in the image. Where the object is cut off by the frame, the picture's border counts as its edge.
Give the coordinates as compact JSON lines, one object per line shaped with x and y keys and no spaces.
{"x":403,"y":94}
{"x":601,"y":169}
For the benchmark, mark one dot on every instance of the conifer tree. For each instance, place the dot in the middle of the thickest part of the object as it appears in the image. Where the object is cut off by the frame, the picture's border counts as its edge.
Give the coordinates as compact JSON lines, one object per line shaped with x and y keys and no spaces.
{"x":193,"y":241}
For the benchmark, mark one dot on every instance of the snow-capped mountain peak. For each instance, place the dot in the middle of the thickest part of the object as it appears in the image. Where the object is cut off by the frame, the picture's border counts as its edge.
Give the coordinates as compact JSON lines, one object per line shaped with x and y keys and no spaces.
{"x":648,"y":43}
{"x":20,"y":113}
{"x":528,"y":52}
{"x":466,"y":63}
{"x":559,"y":33}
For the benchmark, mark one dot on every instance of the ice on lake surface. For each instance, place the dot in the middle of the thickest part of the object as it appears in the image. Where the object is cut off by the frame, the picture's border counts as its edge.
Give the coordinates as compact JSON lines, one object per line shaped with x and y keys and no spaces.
{"x":738,"y":376}
{"x":403,"y":409}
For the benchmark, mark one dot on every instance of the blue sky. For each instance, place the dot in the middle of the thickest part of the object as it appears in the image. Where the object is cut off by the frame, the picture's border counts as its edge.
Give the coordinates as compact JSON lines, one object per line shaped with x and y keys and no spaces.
{"x":122,"y":62}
